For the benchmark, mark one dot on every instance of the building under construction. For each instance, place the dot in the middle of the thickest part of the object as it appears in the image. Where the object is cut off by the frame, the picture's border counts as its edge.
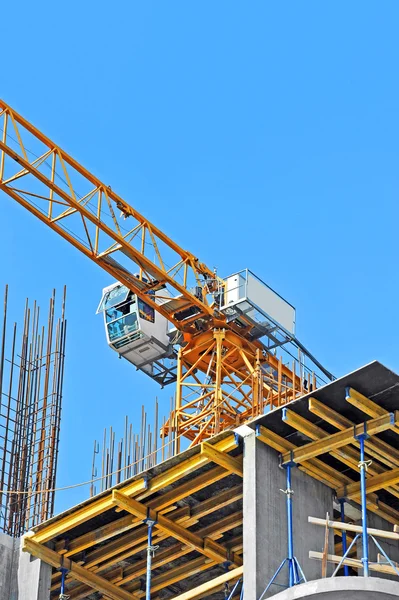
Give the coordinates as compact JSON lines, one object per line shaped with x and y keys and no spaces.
{"x":270,"y":478}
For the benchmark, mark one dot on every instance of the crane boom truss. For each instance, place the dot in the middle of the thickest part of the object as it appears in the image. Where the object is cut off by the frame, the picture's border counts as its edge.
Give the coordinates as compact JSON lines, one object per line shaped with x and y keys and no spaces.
{"x":53,"y":186}
{"x":224,"y":377}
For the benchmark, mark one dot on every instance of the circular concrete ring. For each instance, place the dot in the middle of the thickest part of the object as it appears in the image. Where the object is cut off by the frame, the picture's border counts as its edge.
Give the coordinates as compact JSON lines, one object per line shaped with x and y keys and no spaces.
{"x":343,"y":588}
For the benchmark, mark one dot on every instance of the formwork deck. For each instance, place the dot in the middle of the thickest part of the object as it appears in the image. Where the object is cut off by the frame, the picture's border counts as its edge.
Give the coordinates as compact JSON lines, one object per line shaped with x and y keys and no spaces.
{"x":197,"y":496}
{"x":191,"y":492}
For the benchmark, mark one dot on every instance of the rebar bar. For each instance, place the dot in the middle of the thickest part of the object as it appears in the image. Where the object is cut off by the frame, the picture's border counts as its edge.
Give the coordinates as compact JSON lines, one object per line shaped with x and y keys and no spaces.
{"x":31,"y":379}
{"x":136,"y":452}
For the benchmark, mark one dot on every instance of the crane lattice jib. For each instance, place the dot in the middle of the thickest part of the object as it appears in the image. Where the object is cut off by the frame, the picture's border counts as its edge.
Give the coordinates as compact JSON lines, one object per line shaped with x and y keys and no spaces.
{"x":58,"y":190}
{"x":224,"y":377}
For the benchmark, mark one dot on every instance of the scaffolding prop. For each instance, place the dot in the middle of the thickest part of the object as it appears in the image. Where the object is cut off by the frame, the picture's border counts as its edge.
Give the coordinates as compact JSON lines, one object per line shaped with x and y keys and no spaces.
{"x":344,"y":539}
{"x":63,"y":595}
{"x":364,"y":535}
{"x":151,"y":549}
{"x":235,"y":589}
{"x":295,"y":573}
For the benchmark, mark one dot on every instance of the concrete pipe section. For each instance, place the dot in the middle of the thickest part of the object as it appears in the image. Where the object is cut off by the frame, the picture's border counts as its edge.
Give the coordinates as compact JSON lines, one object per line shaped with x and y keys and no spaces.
{"x":343,"y":588}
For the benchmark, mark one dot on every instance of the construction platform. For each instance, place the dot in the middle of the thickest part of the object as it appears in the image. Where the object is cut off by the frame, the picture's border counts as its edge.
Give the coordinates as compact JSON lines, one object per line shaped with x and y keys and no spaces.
{"x":219,"y":510}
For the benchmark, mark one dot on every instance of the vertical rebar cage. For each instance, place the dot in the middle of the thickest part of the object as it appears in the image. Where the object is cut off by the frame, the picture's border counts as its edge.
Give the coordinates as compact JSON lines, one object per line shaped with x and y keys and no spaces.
{"x":31,"y":377}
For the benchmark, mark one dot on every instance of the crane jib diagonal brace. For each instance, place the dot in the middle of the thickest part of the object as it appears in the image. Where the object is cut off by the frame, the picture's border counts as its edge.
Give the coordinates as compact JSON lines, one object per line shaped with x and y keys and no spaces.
{"x":127,"y":248}
{"x":233,"y":381}
{"x":194,"y":272}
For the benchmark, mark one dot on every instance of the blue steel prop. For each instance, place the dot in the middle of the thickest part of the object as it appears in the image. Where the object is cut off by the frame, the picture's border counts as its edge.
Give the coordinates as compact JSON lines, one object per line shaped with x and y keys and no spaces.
{"x":363,"y":468}
{"x":364,"y":536}
{"x":226,"y":566}
{"x":150,"y":554}
{"x":295,"y":573}
{"x":63,"y":596}
{"x":233,"y":591}
{"x":344,"y":538}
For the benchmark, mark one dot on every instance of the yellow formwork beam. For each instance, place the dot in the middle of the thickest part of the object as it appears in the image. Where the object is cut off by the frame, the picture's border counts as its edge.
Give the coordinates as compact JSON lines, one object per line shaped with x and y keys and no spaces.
{"x":377,"y":448}
{"x":206,"y":588}
{"x":205,"y":546}
{"x":346,"y":454}
{"x":364,"y":404}
{"x":137,"y":488}
{"x":314,"y":467}
{"x":329,"y":414}
{"x":230,"y":463}
{"x":384,"y":480}
{"x":135,"y":571}
{"x":127,"y":545}
{"x":75,"y":571}
{"x":79,"y":516}
{"x":184,"y":571}
{"x":161,"y":503}
{"x":342,"y":438}
{"x":96,"y":536}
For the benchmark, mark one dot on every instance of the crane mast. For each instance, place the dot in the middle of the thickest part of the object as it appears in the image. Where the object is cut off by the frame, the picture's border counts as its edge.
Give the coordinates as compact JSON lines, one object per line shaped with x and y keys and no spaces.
{"x":228,"y":366}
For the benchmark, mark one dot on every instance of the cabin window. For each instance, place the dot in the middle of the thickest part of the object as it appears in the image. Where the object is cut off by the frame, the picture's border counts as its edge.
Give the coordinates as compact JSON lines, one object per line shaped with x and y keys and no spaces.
{"x":122,"y":327}
{"x":146,"y":312}
{"x":116,"y":312}
{"x":113,"y":297}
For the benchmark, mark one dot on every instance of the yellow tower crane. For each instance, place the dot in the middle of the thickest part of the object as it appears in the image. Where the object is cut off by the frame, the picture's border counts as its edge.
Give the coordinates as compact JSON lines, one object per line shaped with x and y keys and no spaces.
{"x":228,"y":344}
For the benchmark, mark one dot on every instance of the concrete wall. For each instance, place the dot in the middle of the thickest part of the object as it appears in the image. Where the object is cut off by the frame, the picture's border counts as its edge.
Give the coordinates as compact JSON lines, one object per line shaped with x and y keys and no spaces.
{"x":22,"y":577}
{"x":8,"y":570}
{"x":265,"y":521}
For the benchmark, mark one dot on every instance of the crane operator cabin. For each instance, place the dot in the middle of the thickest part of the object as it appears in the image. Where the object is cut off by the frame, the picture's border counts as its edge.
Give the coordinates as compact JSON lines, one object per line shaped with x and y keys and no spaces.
{"x":144,"y":337}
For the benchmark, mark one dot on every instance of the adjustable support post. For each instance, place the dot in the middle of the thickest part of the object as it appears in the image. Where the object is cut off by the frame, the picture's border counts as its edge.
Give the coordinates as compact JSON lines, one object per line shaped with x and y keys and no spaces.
{"x":150,"y":554}
{"x":295,"y":573}
{"x":291,"y":568}
{"x":365,"y":541}
{"x":363,"y":465}
{"x":344,"y":539}
{"x":63,"y":596}
{"x":233,"y":591}
{"x":364,"y":535}
{"x":227,"y":593}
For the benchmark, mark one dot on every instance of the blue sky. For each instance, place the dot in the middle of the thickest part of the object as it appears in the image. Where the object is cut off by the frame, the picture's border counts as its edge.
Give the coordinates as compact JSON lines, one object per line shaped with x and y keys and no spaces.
{"x":259,"y":134}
